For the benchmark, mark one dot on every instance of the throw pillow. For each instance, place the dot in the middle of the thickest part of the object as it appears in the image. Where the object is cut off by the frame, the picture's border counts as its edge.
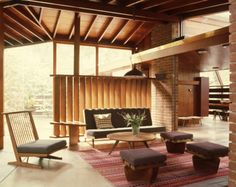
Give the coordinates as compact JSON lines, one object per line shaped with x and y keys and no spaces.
{"x":103,"y":121}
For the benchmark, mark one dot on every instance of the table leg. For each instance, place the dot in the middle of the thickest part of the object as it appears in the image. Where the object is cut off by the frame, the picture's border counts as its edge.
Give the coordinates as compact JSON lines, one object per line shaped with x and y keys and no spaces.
{"x":73,"y":135}
{"x":145,"y":143}
{"x":113,"y":147}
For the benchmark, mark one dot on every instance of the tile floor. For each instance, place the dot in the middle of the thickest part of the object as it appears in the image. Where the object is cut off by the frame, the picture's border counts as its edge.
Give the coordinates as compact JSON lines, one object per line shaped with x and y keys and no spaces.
{"x":73,"y":171}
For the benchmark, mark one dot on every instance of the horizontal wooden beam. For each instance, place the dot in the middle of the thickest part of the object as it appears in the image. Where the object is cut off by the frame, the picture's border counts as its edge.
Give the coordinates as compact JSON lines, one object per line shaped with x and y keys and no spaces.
{"x":101,"y":9}
{"x":182,"y":46}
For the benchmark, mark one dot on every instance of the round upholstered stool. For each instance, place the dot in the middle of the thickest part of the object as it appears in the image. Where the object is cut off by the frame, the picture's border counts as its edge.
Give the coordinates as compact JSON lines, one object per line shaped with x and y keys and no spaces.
{"x":175,"y":141}
{"x":142,"y":164}
{"x":206,"y":155}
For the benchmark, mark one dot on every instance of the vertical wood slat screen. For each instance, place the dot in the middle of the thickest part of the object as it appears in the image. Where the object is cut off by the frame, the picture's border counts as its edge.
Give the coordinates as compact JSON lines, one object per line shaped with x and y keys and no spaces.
{"x":72,"y":94}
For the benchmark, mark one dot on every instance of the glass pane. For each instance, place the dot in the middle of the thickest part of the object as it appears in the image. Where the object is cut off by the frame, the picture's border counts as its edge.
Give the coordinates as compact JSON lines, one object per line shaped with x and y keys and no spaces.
{"x":65,"y":59}
{"x":28,"y":84}
{"x":114,"y":60}
{"x":213,"y":81}
{"x":224,"y":74}
{"x":87,"y":60}
{"x":201,"y":24}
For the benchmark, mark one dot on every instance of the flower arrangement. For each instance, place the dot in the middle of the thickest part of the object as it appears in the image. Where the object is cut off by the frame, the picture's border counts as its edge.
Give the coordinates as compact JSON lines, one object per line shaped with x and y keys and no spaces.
{"x":134,"y":120}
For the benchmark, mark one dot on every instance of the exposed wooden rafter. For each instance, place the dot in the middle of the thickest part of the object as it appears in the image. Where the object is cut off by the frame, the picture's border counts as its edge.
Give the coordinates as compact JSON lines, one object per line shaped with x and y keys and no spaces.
{"x":118,"y":33}
{"x":130,"y":3}
{"x":175,"y":5}
{"x":90,"y":27}
{"x":56,"y":24}
{"x":41,"y":24}
{"x":101,"y":9}
{"x":132,"y":33}
{"x":106,"y":25}
{"x":72,"y":29}
{"x":40,"y":15}
{"x":23,"y":24}
{"x":13,"y":38}
{"x":8,"y":42}
{"x":12,"y":27}
{"x":155,"y":3}
{"x":145,"y":35}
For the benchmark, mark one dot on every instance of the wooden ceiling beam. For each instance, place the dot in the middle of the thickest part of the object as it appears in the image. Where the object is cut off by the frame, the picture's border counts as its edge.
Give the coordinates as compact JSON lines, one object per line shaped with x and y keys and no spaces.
{"x":56,"y":24}
{"x":145,"y":35}
{"x":72,"y":29}
{"x":175,"y":5}
{"x":8,"y":42}
{"x":41,"y":24}
{"x":155,"y":3}
{"x":101,"y":9}
{"x":23,"y":24}
{"x":120,"y":30}
{"x":40,"y":15}
{"x":8,"y":4}
{"x":199,"y":6}
{"x":132,"y":33}
{"x":13,"y":38}
{"x":90,"y":27}
{"x":12,"y":27}
{"x":206,"y":11}
{"x":104,"y":30}
{"x":134,"y":2}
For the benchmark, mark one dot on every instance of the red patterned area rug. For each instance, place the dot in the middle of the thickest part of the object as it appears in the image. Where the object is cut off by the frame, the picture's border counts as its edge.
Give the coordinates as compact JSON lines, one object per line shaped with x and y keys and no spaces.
{"x":177,"y":172}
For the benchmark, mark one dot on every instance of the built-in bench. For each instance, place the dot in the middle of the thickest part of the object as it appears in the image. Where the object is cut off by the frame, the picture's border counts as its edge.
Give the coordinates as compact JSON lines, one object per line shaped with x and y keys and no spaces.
{"x":118,"y":123}
{"x":190,"y":120}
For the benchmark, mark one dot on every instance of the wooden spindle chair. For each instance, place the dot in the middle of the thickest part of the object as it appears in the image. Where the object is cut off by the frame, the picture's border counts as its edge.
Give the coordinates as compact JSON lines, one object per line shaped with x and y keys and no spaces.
{"x":25,"y":140}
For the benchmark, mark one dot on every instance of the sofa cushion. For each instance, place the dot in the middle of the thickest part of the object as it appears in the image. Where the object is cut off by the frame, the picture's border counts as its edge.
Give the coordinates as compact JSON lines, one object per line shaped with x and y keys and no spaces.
{"x":116,"y":118}
{"x":42,"y":146}
{"x":102,"y":133}
{"x":208,"y":149}
{"x":175,"y":136}
{"x":142,"y":157}
{"x":103,"y":121}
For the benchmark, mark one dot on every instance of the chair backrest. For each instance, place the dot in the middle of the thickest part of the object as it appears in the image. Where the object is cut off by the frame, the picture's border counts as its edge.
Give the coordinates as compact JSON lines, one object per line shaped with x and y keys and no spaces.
{"x":21,"y":127}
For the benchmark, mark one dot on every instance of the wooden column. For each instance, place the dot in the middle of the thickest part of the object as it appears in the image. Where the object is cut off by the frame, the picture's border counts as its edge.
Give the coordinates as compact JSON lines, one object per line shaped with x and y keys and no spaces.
{"x":56,"y":93}
{"x":232,"y":116}
{"x":77,"y":44}
{"x":97,"y":61}
{"x":1,"y":77}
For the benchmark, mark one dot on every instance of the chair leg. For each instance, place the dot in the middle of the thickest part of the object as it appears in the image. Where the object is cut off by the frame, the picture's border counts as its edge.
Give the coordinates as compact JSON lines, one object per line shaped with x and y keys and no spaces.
{"x":24,"y":164}
{"x":93,"y":142}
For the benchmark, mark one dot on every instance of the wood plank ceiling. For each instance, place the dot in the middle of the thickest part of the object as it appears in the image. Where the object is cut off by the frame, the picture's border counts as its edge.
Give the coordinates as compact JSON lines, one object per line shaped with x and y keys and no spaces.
{"x":107,"y":22}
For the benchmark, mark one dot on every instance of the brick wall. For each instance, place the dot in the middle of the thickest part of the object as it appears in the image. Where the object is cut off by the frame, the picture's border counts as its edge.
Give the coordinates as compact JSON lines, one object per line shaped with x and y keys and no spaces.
{"x":232,"y":117}
{"x":164,"y":93}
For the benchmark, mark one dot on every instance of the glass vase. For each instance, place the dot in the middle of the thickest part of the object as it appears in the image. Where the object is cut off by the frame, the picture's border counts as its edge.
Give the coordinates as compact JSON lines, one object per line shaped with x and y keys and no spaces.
{"x":135,"y":130}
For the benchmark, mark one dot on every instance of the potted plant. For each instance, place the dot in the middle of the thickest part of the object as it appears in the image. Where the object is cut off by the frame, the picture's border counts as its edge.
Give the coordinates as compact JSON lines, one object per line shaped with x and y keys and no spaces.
{"x":134,"y":120}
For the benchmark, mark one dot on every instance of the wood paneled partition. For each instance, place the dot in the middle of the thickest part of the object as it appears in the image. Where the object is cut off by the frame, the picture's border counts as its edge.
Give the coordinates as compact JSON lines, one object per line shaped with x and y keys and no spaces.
{"x":72,"y":94}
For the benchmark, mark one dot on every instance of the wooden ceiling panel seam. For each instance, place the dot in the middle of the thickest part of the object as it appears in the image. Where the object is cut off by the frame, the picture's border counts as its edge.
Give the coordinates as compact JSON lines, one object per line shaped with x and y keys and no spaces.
{"x":90,"y":26}
{"x":106,"y":25}
{"x":57,"y":23}
{"x":18,"y":32}
{"x":41,"y":24}
{"x":134,"y":30}
{"x":24,"y":26}
{"x":120,"y":30}
{"x":101,"y":9}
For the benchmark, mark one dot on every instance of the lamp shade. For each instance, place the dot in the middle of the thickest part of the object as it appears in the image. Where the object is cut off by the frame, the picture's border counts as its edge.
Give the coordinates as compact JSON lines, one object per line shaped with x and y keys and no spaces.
{"x":134,"y":72}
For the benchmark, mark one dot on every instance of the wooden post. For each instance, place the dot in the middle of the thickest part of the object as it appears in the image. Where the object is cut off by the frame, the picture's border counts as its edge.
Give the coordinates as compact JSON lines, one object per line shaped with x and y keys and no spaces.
{"x":56,"y":94}
{"x":97,"y":61}
{"x":77,"y":44}
{"x":1,"y":77}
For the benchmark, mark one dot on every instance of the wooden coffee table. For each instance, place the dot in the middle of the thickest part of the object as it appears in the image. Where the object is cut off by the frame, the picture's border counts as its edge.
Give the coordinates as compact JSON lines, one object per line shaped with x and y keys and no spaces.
{"x":130,"y":138}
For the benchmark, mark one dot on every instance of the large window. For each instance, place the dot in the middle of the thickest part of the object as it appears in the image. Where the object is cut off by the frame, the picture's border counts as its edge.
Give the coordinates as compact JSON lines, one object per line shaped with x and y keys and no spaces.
{"x":202,"y":24}
{"x":214,"y":80}
{"x":114,"y":62}
{"x":28,"y":84}
{"x":87,"y":60}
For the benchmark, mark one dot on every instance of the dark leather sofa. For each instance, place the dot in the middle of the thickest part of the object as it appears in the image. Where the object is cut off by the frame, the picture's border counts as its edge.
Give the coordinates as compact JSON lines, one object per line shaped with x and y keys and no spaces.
{"x":117,"y":122}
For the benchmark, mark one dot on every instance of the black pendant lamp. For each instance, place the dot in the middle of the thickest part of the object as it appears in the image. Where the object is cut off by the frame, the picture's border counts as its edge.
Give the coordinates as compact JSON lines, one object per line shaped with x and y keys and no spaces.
{"x":135,"y":72}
